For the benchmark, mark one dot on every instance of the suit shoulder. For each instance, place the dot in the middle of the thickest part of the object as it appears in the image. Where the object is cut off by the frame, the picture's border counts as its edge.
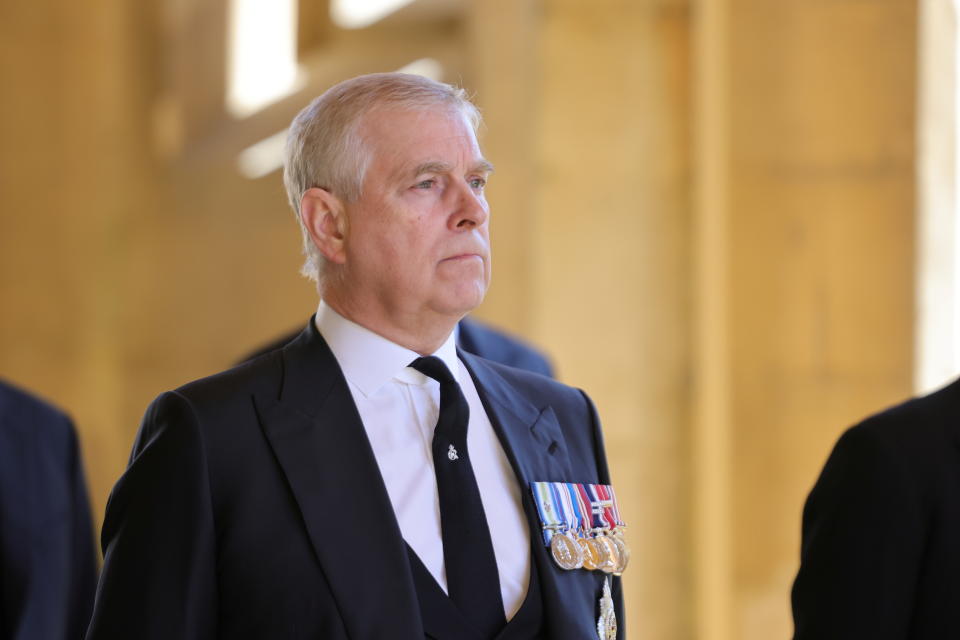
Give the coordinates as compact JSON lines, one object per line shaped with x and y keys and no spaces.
{"x":211,"y":409}
{"x":259,"y":375}
{"x":916,"y":418}
{"x":541,"y":390}
{"x":912,"y":435}
{"x":20,"y":409}
{"x":527,"y":379}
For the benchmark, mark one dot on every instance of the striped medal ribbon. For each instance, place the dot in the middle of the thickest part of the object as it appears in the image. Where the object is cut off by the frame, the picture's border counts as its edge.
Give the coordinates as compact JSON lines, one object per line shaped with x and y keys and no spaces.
{"x":582,"y":526}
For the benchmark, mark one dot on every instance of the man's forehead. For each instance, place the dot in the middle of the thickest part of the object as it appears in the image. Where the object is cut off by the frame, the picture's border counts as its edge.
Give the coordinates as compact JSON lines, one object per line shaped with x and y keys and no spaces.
{"x":389,"y":111}
{"x":404,"y":143}
{"x":385,"y":119}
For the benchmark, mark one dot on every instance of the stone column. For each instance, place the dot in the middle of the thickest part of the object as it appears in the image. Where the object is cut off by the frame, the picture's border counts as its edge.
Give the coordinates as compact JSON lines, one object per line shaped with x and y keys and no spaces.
{"x":816,"y":203}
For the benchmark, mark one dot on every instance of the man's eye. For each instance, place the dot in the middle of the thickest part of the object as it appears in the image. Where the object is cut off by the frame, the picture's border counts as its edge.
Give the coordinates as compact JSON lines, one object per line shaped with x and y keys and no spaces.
{"x":478,"y":183}
{"x":425,"y":184}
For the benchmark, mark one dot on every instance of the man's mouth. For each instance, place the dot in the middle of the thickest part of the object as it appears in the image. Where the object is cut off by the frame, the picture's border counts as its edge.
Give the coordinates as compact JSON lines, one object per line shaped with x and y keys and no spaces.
{"x":463,"y":257}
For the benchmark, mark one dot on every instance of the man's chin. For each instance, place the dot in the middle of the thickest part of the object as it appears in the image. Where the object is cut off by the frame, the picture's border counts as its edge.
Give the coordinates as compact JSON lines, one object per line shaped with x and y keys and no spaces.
{"x":462,"y":301}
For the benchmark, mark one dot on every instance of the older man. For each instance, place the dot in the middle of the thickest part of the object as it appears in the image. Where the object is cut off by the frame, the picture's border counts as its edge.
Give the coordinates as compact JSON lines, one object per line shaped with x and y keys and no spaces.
{"x":368,"y":480}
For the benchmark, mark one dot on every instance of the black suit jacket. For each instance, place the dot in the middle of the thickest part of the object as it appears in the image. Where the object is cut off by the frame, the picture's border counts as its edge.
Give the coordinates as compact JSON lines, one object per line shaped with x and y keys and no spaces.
{"x":881,"y":529}
{"x":253,"y":507}
{"x":48,"y":562}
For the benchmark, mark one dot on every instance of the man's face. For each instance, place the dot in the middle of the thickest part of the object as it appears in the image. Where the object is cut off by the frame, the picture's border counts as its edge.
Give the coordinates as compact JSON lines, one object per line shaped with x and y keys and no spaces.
{"x":417,"y":238}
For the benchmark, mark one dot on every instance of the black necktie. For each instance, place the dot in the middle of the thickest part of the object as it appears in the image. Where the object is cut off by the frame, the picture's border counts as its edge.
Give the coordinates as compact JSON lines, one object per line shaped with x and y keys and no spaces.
{"x":472,"y":579}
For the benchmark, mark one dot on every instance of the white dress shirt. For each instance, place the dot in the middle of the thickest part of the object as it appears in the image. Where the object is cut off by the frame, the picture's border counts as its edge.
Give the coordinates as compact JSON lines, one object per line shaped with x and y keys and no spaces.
{"x":399,"y":407}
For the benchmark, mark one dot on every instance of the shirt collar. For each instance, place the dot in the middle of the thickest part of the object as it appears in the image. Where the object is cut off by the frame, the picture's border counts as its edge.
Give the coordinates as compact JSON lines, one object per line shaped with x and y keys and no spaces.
{"x":369,"y":360}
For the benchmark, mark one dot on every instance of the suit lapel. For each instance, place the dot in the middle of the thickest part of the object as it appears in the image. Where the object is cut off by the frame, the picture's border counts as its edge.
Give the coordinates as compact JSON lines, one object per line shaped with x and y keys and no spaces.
{"x":319,"y":441}
{"x":530,"y":435}
{"x":537,"y":450}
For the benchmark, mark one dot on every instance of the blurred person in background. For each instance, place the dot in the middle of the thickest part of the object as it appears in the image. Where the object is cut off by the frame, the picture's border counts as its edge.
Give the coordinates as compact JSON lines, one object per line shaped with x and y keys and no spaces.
{"x":48,"y":561}
{"x":368,"y":479}
{"x":880,"y":557}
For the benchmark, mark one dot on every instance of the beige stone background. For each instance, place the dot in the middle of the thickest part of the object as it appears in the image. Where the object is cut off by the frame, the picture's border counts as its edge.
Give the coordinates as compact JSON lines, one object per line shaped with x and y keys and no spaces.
{"x":705,"y":211}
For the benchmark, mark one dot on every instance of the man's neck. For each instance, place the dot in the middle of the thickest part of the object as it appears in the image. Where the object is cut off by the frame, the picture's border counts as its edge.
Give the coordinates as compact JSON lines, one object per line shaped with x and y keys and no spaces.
{"x":424,"y":335}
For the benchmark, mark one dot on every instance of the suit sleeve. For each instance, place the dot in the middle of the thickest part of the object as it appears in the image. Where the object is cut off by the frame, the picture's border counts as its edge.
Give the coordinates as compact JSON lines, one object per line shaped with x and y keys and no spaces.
{"x":82,"y":567}
{"x":158,"y":579}
{"x":863,"y":538}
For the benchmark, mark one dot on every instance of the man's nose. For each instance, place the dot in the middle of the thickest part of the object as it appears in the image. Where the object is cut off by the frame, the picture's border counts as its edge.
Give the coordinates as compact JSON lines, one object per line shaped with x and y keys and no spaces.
{"x":470,"y":208}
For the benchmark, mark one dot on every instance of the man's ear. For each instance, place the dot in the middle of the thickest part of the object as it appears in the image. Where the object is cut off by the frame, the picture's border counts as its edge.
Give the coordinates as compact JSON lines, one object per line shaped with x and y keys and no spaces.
{"x":325,"y":219}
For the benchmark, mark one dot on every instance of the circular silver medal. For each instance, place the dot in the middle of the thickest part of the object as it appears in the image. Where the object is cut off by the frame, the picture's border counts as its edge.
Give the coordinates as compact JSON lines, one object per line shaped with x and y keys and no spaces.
{"x":609,"y":553}
{"x":566,"y":551}
{"x":623,"y":552}
{"x":596,"y":554}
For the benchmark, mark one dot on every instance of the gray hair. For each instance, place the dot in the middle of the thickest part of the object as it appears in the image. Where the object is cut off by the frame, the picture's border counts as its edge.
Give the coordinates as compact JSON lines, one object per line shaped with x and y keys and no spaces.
{"x":324,"y":147}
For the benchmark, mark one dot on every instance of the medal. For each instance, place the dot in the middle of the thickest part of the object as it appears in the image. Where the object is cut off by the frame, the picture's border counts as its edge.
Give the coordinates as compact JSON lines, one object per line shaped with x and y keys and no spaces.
{"x":610,"y":513}
{"x":564,"y":547}
{"x":623,"y":552}
{"x":596,"y":554}
{"x":605,"y":504}
{"x":607,"y":620}
{"x":590,"y":555}
{"x":558,"y":519}
{"x":611,"y":556}
{"x":599,"y":550}
{"x":566,"y":551}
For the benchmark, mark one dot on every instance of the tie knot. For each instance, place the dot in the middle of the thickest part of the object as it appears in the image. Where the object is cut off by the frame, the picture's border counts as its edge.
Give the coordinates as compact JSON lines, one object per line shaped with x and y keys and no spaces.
{"x":433,"y":367}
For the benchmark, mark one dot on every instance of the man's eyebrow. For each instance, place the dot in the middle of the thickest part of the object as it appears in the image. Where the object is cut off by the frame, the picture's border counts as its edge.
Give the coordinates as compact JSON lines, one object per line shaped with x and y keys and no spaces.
{"x":482,"y":166}
{"x":431,"y":167}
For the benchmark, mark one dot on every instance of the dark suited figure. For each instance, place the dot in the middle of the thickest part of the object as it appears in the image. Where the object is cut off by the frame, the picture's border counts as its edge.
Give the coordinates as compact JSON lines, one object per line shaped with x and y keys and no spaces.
{"x":369,"y":479}
{"x":487,"y":342}
{"x":48,"y":563}
{"x":473,"y":337}
{"x":880,"y":558}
